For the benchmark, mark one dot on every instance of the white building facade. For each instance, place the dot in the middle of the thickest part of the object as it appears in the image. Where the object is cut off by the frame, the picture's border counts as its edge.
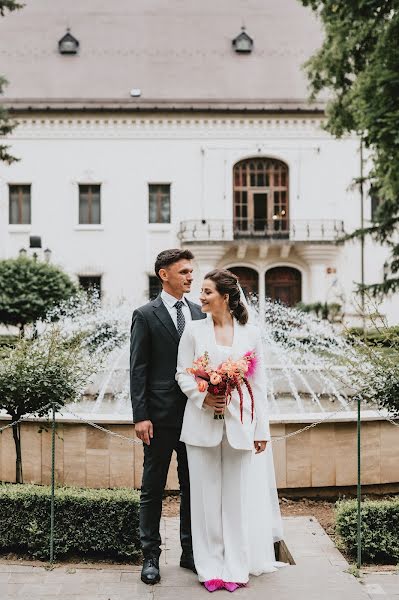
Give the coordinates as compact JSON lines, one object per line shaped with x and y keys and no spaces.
{"x":257,"y":187}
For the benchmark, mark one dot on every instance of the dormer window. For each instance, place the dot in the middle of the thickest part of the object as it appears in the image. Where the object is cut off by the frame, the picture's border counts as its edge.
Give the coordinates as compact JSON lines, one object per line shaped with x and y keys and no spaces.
{"x":68,"y":44}
{"x":243,"y":42}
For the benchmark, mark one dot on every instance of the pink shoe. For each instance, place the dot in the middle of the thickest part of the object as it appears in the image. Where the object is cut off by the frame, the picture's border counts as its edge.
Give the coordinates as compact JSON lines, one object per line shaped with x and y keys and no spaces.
{"x":230,"y":586}
{"x":214,"y":584}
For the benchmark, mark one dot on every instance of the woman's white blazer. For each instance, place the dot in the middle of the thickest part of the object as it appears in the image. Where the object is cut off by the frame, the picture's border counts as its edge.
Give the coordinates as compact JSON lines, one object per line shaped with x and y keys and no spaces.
{"x":199,"y":426}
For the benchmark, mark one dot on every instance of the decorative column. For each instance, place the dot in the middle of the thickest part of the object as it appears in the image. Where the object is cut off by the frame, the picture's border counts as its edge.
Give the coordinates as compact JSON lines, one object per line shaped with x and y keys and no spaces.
{"x":318,"y":258}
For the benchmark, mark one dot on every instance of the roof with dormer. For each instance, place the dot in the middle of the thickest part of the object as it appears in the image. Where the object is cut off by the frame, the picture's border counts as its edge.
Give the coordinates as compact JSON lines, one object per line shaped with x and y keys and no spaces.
{"x":177,"y":53}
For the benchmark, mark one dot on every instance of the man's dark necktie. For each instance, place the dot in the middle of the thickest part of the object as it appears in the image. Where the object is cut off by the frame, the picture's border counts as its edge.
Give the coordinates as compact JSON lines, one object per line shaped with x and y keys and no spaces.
{"x":180,"y":317}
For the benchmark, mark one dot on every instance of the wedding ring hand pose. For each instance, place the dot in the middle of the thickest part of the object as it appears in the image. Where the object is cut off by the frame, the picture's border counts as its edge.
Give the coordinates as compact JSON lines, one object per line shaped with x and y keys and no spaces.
{"x":219,"y":450}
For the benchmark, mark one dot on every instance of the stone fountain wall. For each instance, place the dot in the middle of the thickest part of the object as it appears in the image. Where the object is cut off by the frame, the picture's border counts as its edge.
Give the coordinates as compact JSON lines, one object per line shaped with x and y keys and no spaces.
{"x":324,"y":456}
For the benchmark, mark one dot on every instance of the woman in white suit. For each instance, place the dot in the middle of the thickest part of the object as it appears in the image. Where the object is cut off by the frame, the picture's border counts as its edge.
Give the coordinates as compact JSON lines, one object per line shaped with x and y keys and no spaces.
{"x":220,"y":450}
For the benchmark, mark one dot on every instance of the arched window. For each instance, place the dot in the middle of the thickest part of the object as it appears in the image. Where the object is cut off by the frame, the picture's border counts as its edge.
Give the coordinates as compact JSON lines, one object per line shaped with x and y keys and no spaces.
{"x":284,"y":284}
{"x":248,"y":278}
{"x":260,"y":197}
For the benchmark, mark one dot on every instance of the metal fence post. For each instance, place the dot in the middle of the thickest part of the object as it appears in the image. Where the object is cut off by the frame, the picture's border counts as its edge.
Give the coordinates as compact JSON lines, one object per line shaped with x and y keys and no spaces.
{"x":52,"y":487}
{"x":359,"y":491}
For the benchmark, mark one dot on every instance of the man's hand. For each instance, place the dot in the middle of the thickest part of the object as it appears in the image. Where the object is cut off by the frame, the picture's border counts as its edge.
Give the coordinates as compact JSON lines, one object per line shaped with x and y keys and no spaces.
{"x":218,"y":403}
{"x":259,"y":446}
{"x":144,"y":431}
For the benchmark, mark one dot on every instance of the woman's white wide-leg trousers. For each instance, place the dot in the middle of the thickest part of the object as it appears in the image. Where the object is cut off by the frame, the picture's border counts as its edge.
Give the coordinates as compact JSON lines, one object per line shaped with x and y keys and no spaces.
{"x":219,"y":513}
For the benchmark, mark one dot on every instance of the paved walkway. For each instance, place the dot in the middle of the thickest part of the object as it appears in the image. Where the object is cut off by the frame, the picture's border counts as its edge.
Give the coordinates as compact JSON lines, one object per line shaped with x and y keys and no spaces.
{"x":381,"y":586}
{"x":319,"y":572}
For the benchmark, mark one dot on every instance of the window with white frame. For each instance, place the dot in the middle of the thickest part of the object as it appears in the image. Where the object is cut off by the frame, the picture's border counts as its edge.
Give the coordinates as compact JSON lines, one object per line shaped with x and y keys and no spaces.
{"x":89,"y":204}
{"x":159,"y":203}
{"x":19,"y":204}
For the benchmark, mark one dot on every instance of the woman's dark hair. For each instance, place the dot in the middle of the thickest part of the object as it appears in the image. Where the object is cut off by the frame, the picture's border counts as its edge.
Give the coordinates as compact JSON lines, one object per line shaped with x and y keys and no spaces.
{"x":227,"y":283}
{"x":168,"y":257}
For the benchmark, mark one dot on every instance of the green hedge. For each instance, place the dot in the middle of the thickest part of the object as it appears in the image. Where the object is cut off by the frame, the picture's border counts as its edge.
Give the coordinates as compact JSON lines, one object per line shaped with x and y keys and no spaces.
{"x":380,"y":529}
{"x":387,"y":337}
{"x":88,"y":522}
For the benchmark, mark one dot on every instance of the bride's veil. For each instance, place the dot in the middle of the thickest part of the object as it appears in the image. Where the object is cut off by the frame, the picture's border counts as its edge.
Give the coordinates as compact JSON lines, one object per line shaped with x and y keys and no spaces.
{"x":264,"y":517}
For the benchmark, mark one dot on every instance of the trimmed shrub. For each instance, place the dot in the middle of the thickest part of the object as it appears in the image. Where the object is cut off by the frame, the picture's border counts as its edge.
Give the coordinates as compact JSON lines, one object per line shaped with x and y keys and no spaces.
{"x":29,"y":289}
{"x":380,"y":529}
{"x":386,"y":337}
{"x":88,"y":522}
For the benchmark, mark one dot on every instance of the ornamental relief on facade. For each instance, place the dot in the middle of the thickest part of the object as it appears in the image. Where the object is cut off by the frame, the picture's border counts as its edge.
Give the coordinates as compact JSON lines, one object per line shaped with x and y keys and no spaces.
{"x":168,"y":128}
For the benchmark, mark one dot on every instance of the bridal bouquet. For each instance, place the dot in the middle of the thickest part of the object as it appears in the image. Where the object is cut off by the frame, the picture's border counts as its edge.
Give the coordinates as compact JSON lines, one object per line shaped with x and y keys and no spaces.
{"x":228,"y":376}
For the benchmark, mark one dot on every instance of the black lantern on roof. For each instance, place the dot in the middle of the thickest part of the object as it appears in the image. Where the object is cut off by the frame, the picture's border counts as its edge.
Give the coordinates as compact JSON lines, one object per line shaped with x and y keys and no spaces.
{"x":68,"y":44}
{"x":243,"y":43}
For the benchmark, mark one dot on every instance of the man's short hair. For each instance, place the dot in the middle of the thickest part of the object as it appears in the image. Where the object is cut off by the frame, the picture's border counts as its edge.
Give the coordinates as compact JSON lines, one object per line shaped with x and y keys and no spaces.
{"x":168,"y":257}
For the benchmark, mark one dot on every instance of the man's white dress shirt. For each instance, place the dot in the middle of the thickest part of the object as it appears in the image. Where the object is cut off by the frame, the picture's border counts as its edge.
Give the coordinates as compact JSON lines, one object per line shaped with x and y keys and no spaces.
{"x":170,"y":301}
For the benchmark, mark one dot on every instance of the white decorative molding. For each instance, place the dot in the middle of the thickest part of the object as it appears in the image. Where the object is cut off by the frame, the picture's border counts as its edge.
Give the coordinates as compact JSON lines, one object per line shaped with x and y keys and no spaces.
{"x":258,"y":128}
{"x":317,"y":253}
{"x":263,"y":251}
{"x":89,"y":227}
{"x":90,"y":271}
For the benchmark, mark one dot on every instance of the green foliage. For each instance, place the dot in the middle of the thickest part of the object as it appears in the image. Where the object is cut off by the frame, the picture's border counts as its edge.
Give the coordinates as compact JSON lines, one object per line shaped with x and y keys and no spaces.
{"x":374,"y":367}
{"x":6,"y":124}
{"x":388,"y":337}
{"x":9,"y":5}
{"x":358,"y":64}
{"x":88,"y":522}
{"x":46,"y":369}
{"x":34,"y":373}
{"x":8,"y":340}
{"x":380,"y":529}
{"x":323,"y":310}
{"x":29,"y":289}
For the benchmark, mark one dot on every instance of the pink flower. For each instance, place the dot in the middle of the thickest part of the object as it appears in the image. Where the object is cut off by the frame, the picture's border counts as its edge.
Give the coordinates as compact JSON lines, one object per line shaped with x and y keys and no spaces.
{"x":215,"y":378}
{"x":202,"y":385}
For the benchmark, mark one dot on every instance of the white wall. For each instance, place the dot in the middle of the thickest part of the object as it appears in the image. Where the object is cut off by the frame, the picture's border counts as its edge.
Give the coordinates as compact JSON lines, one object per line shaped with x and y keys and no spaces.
{"x":196,"y":155}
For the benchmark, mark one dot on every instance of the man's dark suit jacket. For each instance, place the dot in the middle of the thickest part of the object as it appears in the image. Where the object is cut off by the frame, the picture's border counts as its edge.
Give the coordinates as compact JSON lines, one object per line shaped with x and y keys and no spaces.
{"x":154,"y":342}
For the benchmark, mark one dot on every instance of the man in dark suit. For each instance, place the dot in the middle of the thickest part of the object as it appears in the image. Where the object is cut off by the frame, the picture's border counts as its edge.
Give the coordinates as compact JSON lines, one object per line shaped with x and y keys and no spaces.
{"x":158,"y":403}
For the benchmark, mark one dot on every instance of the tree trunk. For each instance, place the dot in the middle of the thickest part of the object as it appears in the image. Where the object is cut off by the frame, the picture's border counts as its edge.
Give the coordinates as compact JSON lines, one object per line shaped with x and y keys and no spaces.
{"x":16,"y":432}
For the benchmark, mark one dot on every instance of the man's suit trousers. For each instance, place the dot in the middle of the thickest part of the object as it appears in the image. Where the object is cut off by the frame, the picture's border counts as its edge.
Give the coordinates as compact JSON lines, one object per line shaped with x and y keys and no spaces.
{"x":157,"y":458}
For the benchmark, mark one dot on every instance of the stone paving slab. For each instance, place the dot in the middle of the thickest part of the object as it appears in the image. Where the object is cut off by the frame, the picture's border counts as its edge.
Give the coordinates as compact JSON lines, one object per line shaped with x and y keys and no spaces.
{"x":381,"y":586}
{"x":319,"y":573}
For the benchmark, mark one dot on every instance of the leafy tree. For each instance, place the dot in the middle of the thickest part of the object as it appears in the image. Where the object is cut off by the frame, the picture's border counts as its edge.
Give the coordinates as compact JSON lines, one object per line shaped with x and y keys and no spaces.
{"x":29,"y":289}
{"x":51,"y":368}
{"x":6,"y":124}
{"x":358,"y":64}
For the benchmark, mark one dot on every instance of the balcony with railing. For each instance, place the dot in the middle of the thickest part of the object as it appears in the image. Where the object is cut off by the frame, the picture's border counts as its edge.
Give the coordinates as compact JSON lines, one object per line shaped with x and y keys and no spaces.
{"x":275,"y":230}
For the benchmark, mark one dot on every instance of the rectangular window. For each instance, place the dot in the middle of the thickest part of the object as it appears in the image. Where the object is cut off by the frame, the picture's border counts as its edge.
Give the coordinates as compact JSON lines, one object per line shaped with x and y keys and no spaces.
{"x":89,"y":204}
{"x":91,"y":284}
{"x":154,"y":287}
{"x":20,"y":205}
{"x":159,"y":203}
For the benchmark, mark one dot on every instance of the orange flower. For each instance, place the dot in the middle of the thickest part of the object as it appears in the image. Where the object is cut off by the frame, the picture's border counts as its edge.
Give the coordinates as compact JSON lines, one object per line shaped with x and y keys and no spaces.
{"x":215,"y":378}
{"x":202,"y":385}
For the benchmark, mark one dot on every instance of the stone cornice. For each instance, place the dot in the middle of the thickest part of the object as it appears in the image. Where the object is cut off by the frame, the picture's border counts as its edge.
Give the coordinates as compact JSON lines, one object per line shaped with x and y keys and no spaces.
{"x":169,"y":126}
{"x":140,"y":105}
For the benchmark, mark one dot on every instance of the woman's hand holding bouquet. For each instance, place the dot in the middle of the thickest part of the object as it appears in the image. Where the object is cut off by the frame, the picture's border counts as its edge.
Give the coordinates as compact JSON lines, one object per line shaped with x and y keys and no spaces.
{"x":221,"y":381}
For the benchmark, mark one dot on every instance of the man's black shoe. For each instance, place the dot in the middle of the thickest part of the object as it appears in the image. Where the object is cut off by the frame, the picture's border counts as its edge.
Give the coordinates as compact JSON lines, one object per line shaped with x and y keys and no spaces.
{"x":187,"y":562}
{"x":150,"y":572}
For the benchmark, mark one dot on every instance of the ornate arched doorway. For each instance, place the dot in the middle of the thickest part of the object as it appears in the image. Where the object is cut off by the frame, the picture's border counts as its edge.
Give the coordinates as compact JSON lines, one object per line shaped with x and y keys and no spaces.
{"x":260,"y":192}
{"x":249,"y":280}
{"x":284,"y":284}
